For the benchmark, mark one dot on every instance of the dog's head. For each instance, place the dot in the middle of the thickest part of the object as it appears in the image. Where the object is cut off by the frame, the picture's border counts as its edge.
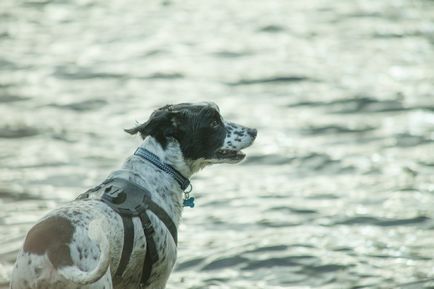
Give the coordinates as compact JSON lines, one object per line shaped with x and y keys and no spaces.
{"x":200,"y":130}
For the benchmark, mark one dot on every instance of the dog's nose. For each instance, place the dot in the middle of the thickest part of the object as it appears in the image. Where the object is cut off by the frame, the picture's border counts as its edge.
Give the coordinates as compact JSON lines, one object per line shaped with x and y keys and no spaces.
{"x":253,"y":132}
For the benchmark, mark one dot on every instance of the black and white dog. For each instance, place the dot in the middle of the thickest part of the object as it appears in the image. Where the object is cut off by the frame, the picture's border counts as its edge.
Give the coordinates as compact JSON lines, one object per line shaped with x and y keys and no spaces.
{"x":82,"y":244}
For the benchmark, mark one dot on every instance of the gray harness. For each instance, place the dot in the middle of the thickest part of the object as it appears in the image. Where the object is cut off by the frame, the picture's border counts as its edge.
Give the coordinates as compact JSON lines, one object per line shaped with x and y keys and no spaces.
{"x":131,"y":200}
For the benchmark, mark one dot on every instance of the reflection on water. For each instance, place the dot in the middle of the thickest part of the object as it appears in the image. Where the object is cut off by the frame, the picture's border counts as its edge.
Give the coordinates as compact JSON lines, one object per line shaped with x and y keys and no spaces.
{"x":336,"y":193}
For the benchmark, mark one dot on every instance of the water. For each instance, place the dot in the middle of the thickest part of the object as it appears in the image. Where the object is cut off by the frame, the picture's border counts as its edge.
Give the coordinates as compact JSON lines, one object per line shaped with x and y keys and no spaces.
{"x":338,"y":190}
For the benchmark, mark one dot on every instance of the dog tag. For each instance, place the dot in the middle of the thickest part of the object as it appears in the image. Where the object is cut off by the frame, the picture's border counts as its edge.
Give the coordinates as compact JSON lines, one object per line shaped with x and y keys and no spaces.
{"x":189,"y":202}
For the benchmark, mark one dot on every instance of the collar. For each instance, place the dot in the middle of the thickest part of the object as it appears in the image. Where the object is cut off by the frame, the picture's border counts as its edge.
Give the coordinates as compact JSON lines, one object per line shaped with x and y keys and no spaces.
{"x":145,"y":154}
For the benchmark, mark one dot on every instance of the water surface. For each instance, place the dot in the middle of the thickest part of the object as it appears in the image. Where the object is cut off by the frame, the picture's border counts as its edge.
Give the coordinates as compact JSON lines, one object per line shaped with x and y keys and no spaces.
{"x":336,"y":193}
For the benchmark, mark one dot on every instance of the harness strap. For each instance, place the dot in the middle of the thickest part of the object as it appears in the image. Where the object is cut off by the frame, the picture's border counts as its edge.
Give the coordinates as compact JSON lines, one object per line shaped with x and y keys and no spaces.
{"x":165,"y":218}
{"x":151,"y":256}
{"x":128,"y":245}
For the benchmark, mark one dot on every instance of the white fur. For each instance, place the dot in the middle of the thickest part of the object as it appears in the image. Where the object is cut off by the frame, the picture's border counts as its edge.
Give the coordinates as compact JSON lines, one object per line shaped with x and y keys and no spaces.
{"x":96,"y":231}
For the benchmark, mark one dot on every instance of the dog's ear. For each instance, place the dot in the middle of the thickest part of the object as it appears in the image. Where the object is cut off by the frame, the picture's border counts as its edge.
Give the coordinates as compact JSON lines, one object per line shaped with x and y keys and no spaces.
{"x":161,"y":125}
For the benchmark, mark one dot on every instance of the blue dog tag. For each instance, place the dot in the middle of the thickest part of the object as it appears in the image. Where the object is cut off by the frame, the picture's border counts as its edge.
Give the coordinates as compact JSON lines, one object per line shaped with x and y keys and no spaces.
{"x":189,"y":202}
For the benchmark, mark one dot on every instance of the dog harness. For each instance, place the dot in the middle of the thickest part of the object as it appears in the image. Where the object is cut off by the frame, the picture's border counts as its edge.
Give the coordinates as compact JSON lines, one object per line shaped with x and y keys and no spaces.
{"x":131,"y":200}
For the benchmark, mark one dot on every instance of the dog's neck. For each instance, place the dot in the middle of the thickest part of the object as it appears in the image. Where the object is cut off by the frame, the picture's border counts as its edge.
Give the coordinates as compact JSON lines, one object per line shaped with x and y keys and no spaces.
{"x":171,"y":155}
{"x":166,"y":190}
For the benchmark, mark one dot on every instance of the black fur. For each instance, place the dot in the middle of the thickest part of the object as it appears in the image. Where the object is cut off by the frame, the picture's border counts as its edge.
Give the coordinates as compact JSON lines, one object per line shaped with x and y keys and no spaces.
{"x":198,"y":129}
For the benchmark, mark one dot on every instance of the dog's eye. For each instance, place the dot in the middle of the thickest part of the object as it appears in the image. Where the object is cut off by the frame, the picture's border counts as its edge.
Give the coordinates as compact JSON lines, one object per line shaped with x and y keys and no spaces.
{"x":215,"y":124}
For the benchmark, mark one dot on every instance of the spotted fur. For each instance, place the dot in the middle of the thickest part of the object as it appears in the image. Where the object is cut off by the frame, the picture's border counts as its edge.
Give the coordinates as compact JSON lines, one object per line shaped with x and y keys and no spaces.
{"x":79,"y":245}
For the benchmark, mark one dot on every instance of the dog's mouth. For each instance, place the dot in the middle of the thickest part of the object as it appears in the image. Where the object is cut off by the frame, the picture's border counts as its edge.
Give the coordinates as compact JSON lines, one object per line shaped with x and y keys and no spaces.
{"x":237,"y":139}
{"x":229,"y":154}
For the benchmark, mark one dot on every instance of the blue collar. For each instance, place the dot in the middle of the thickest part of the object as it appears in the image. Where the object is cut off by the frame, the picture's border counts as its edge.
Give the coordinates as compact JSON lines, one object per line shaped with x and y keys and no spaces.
{"x":155,"y":160}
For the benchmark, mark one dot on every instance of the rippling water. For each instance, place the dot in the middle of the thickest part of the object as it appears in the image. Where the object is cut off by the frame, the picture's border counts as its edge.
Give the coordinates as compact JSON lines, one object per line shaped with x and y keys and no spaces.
{"x":338,"y":190}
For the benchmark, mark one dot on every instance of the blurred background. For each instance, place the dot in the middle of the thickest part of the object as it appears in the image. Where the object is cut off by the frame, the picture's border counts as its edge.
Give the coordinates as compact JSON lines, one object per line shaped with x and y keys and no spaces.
{"x":336,"y":193}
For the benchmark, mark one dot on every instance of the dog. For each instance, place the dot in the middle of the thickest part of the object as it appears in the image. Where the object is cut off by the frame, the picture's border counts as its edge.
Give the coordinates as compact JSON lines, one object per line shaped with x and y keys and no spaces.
{"x":83,"y":243}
